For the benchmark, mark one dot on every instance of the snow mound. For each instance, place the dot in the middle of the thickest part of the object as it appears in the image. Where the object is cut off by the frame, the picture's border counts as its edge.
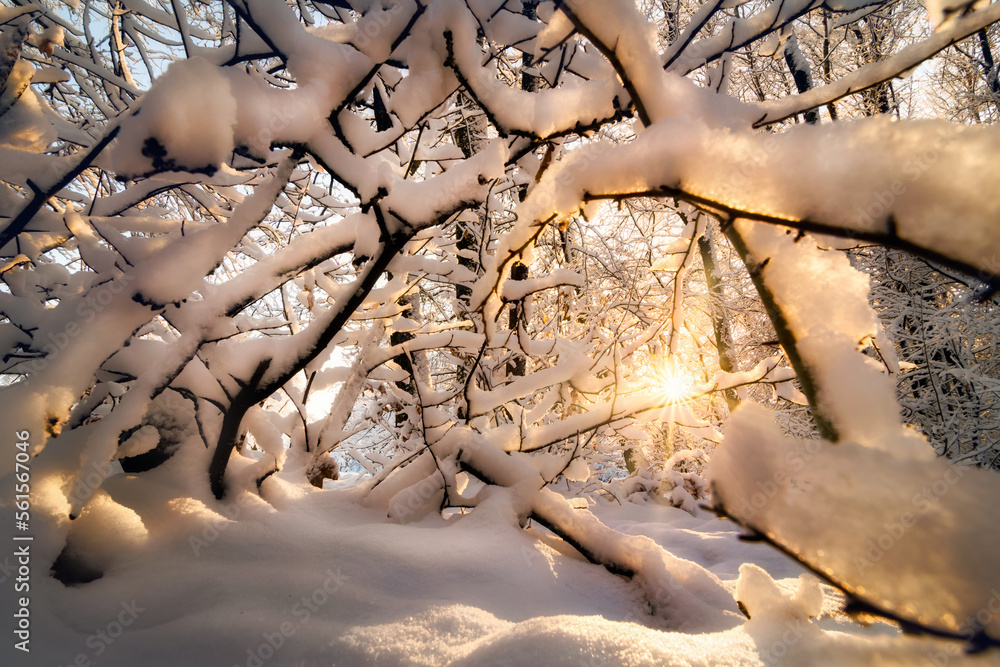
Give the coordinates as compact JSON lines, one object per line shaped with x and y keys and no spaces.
{"x":301,"y":576}
{"x":105,"y":534}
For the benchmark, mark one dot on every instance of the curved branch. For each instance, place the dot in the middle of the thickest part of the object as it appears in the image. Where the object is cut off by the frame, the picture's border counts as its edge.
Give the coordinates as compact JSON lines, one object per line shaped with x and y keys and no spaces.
{"x":875,"y":73}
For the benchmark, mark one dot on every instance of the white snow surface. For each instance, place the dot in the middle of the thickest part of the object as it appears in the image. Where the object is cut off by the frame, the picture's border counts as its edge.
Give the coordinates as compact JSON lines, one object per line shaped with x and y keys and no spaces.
{"x":310,"y":577}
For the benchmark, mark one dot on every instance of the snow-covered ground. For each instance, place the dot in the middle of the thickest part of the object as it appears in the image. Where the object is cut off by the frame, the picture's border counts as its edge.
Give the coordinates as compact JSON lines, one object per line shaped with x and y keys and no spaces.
{"x":310,"y":577}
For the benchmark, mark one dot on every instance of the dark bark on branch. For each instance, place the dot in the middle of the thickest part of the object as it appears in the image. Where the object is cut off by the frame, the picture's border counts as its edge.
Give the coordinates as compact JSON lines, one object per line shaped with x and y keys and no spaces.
{"x":856,"y":602}
{"x":230,"y":431}
{"x":256,"y":390}
{"x":551,"y":522}
{"x":518,"y":364}
{"x":887,"y":236}
{"x":755,"y":266}
{"x":801,"y":73}
{"x":17,"y":225}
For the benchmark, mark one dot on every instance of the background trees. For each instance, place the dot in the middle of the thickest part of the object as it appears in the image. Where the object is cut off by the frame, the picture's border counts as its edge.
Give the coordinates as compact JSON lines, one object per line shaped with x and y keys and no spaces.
{"x":518,"y":245}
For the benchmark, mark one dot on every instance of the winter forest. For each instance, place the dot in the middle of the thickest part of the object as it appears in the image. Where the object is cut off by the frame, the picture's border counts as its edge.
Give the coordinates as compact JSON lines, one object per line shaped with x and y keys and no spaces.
{"x":499,"y":332}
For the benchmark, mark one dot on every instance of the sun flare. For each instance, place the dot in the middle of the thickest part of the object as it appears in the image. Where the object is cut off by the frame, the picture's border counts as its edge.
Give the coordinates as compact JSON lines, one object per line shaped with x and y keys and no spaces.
{"x":671,"y":383}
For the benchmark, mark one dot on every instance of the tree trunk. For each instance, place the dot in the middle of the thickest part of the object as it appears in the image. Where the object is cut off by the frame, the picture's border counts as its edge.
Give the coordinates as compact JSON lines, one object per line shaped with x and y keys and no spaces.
{"x":801,"y":73}
{"x":720,"y":324}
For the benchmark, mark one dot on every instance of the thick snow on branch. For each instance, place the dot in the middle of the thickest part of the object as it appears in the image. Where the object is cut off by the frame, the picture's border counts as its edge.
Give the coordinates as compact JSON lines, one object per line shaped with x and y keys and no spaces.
{"x":899,"y":183}
{"x":625,"y":36}
{"x":823,"y":322}
{"x":915,"y":539}
{"x":737,"y":33}
{"x":543,"y":113}
{"x":424,"y":203}
{"x":876,"y":72}
{"x":515,"y":290}
{"x":43,"y":401}
{"x":685,"y":594}
{"x":335,"y":175}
